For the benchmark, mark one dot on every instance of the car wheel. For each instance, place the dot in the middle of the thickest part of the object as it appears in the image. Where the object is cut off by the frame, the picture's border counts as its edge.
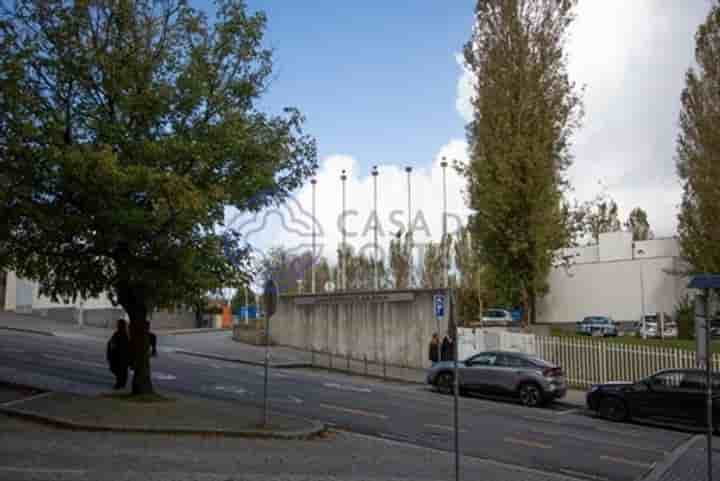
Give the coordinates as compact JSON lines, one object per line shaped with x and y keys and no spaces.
{"x":445,"y":383}
{"x":530,"y":395}
{"x":613,"y":409}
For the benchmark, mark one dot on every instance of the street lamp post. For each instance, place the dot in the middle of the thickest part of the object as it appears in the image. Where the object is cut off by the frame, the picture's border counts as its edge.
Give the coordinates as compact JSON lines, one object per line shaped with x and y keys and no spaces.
{"x":408,"y":169}
{"x":343,"y":271}
{"x":313,"y":181}
{"x":443,"y":242}
{"x":642,"y":297}
{"x":375,"y":197}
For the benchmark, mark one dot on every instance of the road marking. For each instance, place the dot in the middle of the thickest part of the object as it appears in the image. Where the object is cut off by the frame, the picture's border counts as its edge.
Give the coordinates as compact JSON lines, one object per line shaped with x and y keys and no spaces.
{"x":354,"y":411}
{"x":158,"y":375}
{"x":580,"y":474}
{"x":538,"y":418}
{"x":569,"y":411}
{"x":273,"y":374}
{"x":629,"y":462}
{"x":445,"y":428}
{"x":76,"y":361}
{"x":30,"y":398}
{"x":232,"y":389}
{"x":529,"y":444}
{"x":620,"y":431}
{"x":590,"y":440}
{"x":13,"y":469}
{"x":344,"y":387}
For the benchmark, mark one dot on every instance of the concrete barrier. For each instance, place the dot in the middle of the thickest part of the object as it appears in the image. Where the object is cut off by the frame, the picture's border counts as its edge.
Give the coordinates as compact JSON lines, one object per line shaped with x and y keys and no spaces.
{"x":394,"y":327}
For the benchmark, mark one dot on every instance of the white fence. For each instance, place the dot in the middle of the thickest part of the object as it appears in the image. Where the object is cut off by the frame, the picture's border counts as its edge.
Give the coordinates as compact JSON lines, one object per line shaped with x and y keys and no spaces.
{"x":585,"y":361}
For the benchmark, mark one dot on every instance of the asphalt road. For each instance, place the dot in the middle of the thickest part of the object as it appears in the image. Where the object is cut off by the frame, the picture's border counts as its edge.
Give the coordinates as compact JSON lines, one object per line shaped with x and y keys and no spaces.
{"x":555,"y":440}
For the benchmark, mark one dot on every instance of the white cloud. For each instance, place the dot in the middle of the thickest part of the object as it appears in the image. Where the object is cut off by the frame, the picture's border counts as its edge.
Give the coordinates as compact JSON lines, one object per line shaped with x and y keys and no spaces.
{"x":631,"y":57}
{"x":290,"y":225}
{"x":463,"y":102}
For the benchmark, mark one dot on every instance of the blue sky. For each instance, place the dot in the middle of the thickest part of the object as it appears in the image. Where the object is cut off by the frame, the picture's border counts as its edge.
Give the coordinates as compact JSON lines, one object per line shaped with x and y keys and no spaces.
{"x":380,"y":83}
{"x":376,"y":79}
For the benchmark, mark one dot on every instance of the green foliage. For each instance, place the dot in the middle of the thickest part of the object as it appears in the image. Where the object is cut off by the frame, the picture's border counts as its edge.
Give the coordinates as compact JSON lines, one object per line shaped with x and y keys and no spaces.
{"x":639,"y":225}
{"x":698,"y":150}
{"x":685,"y":318}
{"x":601,"y":216}
{"x":400,"y":252}
{"x":126,"y":130}
{"x":525,"y":111}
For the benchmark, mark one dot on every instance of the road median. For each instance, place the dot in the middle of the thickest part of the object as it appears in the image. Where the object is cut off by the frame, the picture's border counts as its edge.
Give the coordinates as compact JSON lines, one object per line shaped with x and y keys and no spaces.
{"x":178,"y":415}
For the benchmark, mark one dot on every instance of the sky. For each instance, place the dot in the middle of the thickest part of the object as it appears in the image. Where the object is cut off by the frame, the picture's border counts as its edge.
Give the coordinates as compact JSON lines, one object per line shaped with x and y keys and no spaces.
{"x":382,"y":83}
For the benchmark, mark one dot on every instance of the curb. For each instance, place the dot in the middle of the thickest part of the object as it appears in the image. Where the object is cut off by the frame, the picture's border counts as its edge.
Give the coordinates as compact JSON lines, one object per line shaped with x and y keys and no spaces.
{"x":657,"y":471}
{"x":315,"y":430}
{"x":27,"y":330}
{"x":279,"y":365}
{"x":202,"y":330}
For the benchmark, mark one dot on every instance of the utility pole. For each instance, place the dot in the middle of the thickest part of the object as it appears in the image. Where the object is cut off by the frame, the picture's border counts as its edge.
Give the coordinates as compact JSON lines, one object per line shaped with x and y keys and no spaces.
{"x":313,"y":181}
{"x":343,"y":264}
{"x":443,"y":243}
{"x":375,"y":196}
{"x":408,"y":169}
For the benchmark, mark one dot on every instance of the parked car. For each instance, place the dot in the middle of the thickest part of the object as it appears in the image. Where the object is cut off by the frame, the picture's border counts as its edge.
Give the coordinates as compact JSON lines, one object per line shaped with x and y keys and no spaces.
{"x":535,"y":381}
{"x":497,"y":317}
{"x":658,"y":325}
{"x":675,"y":396}
{"x":597,"y":326}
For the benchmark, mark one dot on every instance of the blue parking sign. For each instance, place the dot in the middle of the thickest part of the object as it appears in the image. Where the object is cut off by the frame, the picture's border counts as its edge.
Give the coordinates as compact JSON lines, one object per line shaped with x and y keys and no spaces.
{"x":439,"y":301}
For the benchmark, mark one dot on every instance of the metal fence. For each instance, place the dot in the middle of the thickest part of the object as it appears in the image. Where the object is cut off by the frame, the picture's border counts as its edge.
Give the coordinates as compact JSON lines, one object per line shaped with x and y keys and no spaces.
{"x":593,"y":361}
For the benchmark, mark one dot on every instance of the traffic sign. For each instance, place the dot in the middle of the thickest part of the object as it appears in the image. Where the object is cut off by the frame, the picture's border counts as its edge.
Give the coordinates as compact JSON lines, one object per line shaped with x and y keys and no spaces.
{"x":439,"y":302}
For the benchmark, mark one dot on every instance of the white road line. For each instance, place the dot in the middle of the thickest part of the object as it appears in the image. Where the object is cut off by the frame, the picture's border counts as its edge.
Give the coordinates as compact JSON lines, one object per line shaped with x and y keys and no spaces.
{"x":30,"y":398}
{"x":14,"y":469}
{"x":629,"y":462}
{"x":344,"y":387}
{"x":620,"y":431}
{"x":619,"y":444}
{"x":232,"y":389}
{"x":76,"y":361}
{"x":569,"y":411}
{"x":529,"y":444}
{"x":445,"y":428}
{"x":354,"y":411}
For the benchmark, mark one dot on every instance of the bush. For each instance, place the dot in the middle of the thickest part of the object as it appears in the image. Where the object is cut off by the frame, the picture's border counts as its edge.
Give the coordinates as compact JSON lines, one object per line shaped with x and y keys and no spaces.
{"x":685,"y":318}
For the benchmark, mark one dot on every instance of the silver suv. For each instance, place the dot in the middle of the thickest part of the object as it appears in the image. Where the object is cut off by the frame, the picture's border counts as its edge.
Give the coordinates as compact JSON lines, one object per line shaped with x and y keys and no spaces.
{"x":533,"y":380}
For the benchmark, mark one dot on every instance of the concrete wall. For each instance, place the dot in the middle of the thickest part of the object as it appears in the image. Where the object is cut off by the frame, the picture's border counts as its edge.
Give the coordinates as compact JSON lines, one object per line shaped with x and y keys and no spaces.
{"x":612,"y":289}
{"x":173,"y":319}
{"x":10,"y":291}
{"x":615,"y":246}
{"x":392,"y":325}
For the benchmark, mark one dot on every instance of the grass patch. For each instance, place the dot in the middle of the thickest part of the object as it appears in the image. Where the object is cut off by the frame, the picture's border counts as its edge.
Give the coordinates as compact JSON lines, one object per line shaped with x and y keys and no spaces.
{"x":139,"y":398}
{"x":687,"y":344}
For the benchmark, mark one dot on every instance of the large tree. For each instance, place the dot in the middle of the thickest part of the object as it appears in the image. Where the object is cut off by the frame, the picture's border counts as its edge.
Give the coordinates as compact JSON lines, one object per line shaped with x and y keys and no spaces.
{"x":639,"y":225}
{"x":525,"y":111}
{"x":126,"y":129}
{"x":601,"y":216}
{"x":698,"y":151}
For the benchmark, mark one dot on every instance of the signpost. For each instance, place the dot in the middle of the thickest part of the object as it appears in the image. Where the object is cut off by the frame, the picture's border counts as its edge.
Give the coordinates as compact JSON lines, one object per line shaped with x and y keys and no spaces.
{"x":439,"y":303}
{"x":706,"y":284}
{"x":456,"y":377}
{"x":270,"y":298}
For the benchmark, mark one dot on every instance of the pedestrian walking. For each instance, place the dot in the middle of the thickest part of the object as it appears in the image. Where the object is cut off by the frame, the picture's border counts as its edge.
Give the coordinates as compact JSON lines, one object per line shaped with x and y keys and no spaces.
{"x":434,"y":351}
{"x":118,"y":354}
{"x":152,"y":338}
{"x":446,"y":349}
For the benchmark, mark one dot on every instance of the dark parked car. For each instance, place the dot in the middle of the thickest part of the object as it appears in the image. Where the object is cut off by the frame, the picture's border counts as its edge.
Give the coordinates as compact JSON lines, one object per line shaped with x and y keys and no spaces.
{"x":533,"y":380}
{"x":670,"y":396}
{"x":597,"y":326}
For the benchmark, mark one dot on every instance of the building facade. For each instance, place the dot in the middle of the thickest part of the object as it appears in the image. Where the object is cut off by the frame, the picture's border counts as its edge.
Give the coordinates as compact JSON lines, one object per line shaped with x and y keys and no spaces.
{"x":23,"y":297}
{"x":618,"y":278}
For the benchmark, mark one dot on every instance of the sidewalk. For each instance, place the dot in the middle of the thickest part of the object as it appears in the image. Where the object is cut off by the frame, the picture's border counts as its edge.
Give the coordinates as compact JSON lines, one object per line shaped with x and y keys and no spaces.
{"x":179,"y":415}
{"x":687,"y":463}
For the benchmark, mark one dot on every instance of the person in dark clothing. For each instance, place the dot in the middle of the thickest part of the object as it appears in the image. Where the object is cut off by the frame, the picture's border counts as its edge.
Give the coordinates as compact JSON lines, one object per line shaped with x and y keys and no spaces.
{"x":446,"y":349}
{"x":434,"y":354}
{"x":118,"y":354}
{"x":152,"y":338}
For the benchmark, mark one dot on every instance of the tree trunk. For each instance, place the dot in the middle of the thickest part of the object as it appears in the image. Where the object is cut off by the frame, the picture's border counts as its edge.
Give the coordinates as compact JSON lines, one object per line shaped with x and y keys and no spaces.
{"x":134,"y":303}
{"x":140,"y":352}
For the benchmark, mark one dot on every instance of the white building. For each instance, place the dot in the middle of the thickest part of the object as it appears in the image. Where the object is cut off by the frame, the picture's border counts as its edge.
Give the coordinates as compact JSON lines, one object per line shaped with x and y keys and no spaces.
{"x":618,"y":278}
{"x":23,"y":297}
